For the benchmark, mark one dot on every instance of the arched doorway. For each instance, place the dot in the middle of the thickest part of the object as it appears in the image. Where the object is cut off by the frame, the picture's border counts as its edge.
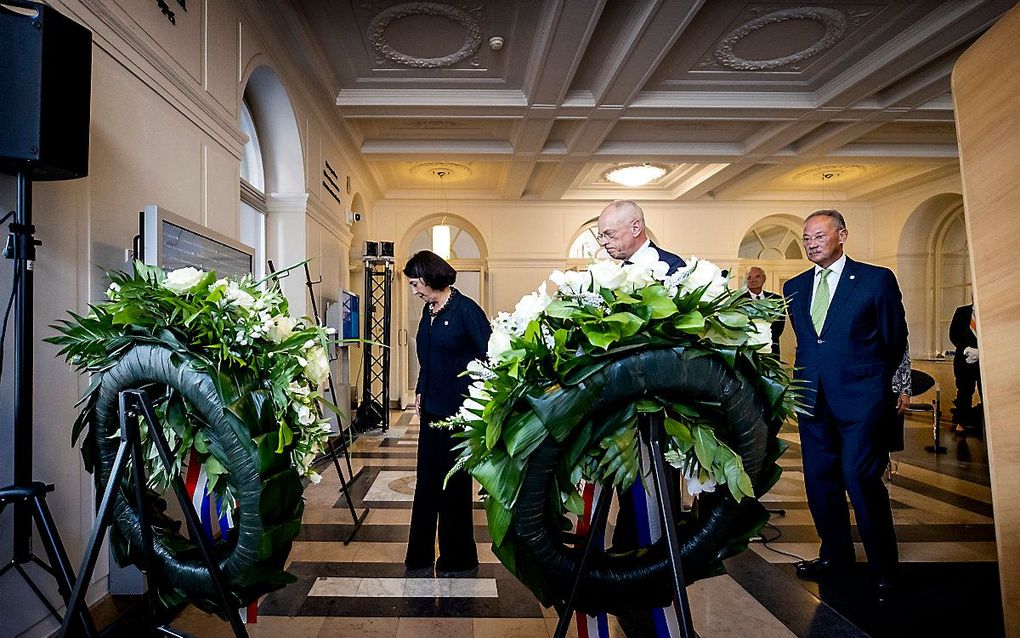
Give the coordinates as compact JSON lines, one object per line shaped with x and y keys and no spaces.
{"x":467,"y":255}
{"x":774,"y":245}
{"x":933,"y":270}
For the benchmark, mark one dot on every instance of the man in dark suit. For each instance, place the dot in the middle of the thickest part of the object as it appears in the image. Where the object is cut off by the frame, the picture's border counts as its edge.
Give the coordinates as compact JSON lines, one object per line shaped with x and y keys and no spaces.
{"x":755,"y":282}
{"x":851,"y":335}
{"x":622,"y":234}
{"x":963,"y":335}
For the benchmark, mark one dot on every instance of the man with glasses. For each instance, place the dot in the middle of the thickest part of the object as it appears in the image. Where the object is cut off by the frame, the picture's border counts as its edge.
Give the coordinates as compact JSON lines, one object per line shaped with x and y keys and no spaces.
{"x":851,"y":335}
{"x":622,"y":234}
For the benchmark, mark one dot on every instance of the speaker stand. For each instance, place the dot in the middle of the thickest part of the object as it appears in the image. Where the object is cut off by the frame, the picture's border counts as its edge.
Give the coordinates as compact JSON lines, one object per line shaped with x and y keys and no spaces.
{"x":27,"y":496}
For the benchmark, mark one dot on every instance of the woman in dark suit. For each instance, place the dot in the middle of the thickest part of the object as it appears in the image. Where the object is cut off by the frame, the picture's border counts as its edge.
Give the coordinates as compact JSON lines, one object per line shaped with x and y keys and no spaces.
{"x":452,"y":332}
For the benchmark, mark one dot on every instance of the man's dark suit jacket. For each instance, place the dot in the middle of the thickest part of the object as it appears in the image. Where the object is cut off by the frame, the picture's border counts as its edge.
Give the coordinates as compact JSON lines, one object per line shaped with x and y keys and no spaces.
{"x":673,"y":261}
{"x":778,"y":325}
{"x":860,"y":346}
{"x":959,"y":331}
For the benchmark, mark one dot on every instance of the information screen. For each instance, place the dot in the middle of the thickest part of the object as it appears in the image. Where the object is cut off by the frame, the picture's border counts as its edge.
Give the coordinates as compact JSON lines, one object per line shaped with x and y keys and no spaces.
{"x":171,"y":241}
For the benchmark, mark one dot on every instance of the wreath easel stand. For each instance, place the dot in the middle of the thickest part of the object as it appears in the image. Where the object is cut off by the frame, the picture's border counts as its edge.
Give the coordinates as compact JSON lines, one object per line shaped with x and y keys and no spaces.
{"x":132,"y":404}
{"x":651,"y":426}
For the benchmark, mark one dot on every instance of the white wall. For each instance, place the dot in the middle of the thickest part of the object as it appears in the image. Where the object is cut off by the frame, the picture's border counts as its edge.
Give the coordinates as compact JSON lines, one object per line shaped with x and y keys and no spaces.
{"x":164,"y":130}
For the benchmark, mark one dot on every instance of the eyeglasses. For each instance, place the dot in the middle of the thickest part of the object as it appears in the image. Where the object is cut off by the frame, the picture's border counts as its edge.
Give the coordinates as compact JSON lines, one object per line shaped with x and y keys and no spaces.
{"x":611,"y":233}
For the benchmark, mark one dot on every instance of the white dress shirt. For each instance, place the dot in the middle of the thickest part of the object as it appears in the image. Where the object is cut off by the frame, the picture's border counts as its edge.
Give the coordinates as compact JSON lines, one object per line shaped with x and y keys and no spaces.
{"x":835,"y":273}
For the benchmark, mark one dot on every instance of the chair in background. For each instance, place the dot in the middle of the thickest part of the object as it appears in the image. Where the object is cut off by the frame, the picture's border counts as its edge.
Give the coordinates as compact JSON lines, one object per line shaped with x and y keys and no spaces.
{"x":920,"y":383}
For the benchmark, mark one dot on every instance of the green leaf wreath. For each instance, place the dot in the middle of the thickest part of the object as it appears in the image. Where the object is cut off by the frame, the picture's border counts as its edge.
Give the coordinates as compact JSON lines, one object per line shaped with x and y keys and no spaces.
{"x":555,"y":357}
{"x":240,"y":380}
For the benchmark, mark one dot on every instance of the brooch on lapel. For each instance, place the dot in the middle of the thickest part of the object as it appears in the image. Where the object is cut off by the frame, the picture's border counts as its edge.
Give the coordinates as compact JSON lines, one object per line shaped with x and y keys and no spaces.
{"x":852,"y":276}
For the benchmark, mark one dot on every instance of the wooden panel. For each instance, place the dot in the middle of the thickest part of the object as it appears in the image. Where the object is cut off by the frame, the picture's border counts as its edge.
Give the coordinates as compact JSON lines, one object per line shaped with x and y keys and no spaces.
{"x":986,"y":92}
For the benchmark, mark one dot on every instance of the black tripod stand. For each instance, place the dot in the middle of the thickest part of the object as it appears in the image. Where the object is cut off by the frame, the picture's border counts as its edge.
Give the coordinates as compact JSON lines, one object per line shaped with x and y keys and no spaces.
{"x":651,"y":428}
{"x":27,"y":496}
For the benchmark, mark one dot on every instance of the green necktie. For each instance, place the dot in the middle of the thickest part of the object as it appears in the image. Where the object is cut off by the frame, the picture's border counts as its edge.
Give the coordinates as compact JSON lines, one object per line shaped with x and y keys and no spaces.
{"x":820,"y":304}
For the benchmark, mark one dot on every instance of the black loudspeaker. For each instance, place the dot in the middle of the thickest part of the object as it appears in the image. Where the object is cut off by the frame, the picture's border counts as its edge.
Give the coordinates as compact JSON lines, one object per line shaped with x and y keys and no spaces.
{"x":371,"y":249}
{"x":45,"y":86}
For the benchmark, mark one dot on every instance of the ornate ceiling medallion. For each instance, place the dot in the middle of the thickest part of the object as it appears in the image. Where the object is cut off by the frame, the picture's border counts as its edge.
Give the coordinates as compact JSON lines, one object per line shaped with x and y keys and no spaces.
{"x":829,"y":175}
{"x":472,"y":34}
{"x":835,"y":23}
{"x":451,"y":171}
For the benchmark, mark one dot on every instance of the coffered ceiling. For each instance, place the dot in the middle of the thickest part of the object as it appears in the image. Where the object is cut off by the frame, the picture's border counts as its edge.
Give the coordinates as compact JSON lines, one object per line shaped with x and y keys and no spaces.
{"x":537,"y":99}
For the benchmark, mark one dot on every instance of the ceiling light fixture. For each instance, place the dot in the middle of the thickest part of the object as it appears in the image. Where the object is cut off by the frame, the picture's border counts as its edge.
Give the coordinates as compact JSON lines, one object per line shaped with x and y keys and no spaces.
{"x":441,"y":232}
{"x":635,"y":174}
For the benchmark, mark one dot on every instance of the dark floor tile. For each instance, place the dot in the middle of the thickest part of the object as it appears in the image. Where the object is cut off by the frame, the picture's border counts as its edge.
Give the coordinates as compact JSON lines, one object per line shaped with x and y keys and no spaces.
{"x":782,"y":595}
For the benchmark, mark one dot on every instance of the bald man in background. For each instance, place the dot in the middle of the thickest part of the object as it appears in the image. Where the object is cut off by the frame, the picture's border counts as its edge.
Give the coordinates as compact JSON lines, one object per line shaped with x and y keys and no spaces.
{"x":755,"y":283}
{"x":622,"y":234}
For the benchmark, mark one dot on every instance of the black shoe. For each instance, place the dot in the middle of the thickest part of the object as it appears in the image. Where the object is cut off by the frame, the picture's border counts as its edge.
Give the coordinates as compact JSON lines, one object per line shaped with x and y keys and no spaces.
{"x":885,"y":591}
{"x":820,"y":568}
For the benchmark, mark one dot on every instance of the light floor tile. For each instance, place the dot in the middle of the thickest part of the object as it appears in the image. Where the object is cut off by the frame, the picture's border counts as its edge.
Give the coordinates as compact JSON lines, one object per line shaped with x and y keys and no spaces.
{"x":721,"y":607}
{"x":510,"y":628}
{"x":448,"y":627}
{"x":335,"y":587}
{"x":358,"y":628}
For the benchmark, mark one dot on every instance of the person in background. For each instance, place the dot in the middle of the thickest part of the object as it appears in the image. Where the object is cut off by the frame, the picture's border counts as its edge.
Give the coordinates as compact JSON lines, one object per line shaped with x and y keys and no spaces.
{"x":755,"y":283}
{"x":963,"y":335}
{"x":453,"y":331}
{"x":851,"y":337}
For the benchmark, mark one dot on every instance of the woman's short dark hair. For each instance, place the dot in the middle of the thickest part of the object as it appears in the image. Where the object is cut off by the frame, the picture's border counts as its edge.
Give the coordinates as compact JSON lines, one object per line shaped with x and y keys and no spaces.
{"x":431,"y":269}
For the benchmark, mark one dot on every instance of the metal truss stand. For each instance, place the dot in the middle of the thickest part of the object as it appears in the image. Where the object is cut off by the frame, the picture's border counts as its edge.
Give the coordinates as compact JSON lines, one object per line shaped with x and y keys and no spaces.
{"x":331,"y":447}
{"x":132,"y":404}
{"x":651,"y":426}
{"x":375,"y":395}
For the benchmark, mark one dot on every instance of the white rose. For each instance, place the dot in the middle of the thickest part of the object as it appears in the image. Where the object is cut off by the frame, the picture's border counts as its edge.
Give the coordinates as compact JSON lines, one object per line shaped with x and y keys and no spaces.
{"x":607,"y":274}
{"x":298,"y":389}
{"x":314,"y":477}
{"x":638,"y":276}
{"x":762,"y":335}
{"x":572,"y":282}
{"x":531,"y":306}
{"x":305,"y":414}
{"x":113,"y":292}
{"x":183,"y":279}
{"x":280,"y":327}
{"x":701,"y":272}
{"x":499,"y":342}
{"x":240,"y":296}
{"x":317,"y":366}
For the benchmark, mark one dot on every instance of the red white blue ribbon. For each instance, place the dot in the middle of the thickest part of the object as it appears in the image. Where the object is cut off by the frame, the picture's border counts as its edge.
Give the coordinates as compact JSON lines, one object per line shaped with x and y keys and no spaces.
{"x":197,"y":483}
{"x":649,"y":529}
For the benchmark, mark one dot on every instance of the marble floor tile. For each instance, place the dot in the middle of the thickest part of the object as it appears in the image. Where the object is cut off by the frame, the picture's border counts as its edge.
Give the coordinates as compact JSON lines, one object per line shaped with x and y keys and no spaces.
{"x":360,"y":589}
{"x":448,"y":627}
{"x":335,"y":587}
{"x":720,"y":607}
{"x":358,"y":628}
{"x":510,"y":628}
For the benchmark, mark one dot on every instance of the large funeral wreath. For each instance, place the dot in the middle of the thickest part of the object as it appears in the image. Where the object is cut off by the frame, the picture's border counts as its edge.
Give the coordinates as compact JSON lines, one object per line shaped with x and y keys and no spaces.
{"x":235,"y":381}
{"x":557,"y":404}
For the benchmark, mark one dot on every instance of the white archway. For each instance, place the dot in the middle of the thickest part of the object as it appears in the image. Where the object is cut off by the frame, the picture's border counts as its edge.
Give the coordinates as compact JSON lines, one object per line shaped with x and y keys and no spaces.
{"x":471,"y":280}
{"x":916,"y":268}
{"x":283,"y":163}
